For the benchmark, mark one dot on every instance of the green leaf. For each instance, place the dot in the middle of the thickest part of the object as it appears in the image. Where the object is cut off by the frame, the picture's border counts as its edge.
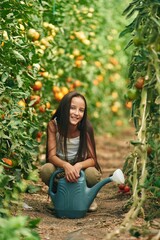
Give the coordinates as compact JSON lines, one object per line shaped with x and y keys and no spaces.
{"x":19,"y":56}
{"x":4,"y":136}
{"x":33,"y":189}
{"x":20,"y":81}
{"x":29,"y":144}
{"x":127,"y":30}
{"x":157,"y":182}
{"x":4,"y":77}
{"x":131,"y":5}
{"x":129,"y":44}
{"x":155,"y":20}
{"x":135,"y":143}
{"x":33,"y":222}
{"x":2,"y":88}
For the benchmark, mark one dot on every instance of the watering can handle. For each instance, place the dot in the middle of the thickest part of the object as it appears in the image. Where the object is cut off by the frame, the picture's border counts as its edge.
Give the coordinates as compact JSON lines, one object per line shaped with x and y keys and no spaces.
{"x":53,"y":177}
{"x":51,"y":181}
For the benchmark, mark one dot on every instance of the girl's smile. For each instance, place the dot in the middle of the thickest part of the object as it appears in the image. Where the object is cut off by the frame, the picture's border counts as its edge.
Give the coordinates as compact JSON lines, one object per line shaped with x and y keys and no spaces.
{"x":77,"y":109}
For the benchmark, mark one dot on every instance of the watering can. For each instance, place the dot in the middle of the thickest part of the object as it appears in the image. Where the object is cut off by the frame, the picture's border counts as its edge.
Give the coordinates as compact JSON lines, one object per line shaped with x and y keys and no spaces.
{"x":73,"y":199}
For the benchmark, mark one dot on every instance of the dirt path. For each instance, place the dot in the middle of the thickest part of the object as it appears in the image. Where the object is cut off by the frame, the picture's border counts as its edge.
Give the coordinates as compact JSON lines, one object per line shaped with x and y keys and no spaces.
{"x":111,"y":153}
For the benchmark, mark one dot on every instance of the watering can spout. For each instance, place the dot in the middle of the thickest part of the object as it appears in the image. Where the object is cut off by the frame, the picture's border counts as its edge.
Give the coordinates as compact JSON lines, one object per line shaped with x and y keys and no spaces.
{"x":117,"y":177}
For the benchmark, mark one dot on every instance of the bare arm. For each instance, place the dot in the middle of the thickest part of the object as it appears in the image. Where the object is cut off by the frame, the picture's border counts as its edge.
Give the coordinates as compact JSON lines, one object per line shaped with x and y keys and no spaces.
{"x":72,"y":174}
{"x":51,"y":142}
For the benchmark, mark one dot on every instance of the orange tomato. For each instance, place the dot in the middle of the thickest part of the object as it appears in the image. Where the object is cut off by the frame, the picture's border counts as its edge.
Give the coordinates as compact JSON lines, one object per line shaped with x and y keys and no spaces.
{"x":48,"y":105}
{"x":44,"y":74}
{"x":33,"y":34}
{"x":35,"y":98}
{"x":64,"y":90}
{"x":42,"y":108}
{"x":128,"y":104}
{"x":71,"y":87}
{"x":77,"y":83}
{"x":58,"y":96}
{"x":76,"y":52}
{"x":69,"y":79}
{"x":78,"y":63}
{"x":111,"y":78}
{"x":37,"y":85}
{"x":7,"y":161}
{"x":98,"y":104}
{"x":139,"y":83}
{"x":53,"y":112}
{"x":72,"y":37}
{"x":55,"y":89}
{"x":98,"y":64}
{"x":22,"y":104}
{"x":36,"y":36}
{"x":119,"y":123}
{"x":29,"y":67}
{"x":113,"y":61}
{"x":95,"y":82}
{"x":114,"y":109}
{"x":80,"y":57}
{"x":100,"y":78}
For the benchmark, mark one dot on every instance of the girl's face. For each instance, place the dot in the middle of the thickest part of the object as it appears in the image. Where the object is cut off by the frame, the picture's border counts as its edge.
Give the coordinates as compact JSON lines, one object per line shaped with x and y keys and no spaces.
{"x":77,"y":109}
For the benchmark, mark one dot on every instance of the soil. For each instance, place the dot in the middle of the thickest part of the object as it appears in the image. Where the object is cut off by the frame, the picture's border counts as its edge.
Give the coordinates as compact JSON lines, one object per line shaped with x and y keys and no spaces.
{"x":111,"y":151}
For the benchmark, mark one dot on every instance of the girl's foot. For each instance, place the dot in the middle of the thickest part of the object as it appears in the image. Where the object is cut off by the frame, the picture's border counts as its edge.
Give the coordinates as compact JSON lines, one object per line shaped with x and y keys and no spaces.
{"x":93,"y":207}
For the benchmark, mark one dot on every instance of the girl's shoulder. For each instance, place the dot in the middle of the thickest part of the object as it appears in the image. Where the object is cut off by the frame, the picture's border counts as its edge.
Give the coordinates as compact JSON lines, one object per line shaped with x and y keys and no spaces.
{"x":52,"y":125}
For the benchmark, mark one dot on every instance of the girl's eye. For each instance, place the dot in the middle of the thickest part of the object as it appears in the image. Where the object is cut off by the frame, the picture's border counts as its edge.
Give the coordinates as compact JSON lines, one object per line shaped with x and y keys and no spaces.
{"x":72,"y":107}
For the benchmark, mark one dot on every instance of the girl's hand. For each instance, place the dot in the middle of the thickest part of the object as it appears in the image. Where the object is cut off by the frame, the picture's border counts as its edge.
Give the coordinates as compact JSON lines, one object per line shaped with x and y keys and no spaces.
{"x":71,"y":173}
{"x":78,"y":167}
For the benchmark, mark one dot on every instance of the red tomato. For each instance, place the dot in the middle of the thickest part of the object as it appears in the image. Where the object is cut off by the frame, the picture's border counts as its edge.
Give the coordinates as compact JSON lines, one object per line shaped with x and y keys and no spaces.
{"x":126,"y":189}
{"x":121,"y":186}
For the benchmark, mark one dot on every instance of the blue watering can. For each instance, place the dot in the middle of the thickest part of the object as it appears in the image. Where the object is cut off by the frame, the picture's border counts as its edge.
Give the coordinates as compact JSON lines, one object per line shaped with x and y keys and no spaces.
{"x":72,"y":200}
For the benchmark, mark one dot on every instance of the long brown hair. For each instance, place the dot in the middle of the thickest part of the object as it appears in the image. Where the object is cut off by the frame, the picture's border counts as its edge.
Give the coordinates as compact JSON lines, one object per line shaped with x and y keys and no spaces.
{"x":86,"y":130}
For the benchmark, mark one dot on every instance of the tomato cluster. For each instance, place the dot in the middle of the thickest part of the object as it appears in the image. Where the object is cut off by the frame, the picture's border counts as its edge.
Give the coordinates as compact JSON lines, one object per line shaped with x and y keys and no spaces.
{"x":124,"y":188}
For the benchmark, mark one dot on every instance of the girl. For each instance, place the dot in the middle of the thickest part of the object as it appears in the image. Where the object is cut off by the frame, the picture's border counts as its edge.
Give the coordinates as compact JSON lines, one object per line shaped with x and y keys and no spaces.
{"x":71,"y":144}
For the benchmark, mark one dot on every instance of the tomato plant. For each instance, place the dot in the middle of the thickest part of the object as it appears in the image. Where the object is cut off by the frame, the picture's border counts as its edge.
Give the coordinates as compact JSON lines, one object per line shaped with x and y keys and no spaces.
{"x":18,"y":123}
{"x":142,"y":166}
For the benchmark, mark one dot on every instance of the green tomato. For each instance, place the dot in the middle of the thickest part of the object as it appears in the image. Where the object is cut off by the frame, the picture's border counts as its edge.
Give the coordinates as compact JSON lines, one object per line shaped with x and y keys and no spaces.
{"x":137,"y":40}
{"x":132,"y":94}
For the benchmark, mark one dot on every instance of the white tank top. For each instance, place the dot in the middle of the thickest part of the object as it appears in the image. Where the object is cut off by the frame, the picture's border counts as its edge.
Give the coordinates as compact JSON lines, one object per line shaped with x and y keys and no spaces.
{"x":72,"y":148}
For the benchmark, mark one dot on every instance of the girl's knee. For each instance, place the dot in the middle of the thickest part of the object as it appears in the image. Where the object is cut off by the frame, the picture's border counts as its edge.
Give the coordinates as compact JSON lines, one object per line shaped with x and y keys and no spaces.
{"x":46,"y":172}
{"x":93,"y":176}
